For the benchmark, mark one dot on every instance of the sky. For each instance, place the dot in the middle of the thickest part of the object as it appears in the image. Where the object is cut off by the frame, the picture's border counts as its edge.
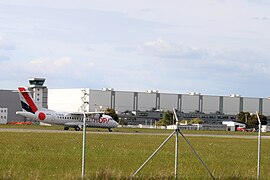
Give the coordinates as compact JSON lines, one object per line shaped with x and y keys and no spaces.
{"x":214,"y":47}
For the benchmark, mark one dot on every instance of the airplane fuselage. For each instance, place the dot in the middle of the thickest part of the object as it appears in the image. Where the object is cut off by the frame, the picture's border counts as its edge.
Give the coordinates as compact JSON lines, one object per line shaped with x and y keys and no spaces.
{"x":70,"y":120}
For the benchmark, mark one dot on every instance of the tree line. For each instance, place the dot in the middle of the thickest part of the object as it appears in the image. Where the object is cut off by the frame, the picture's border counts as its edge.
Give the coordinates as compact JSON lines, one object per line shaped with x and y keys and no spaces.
{"x":243,"y":117}
{"x":250,"y":119}
{"x":168,"y":118}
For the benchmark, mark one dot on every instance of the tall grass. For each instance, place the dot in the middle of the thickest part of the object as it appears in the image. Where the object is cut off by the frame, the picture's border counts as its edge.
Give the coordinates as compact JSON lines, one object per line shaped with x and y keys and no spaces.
{"x":36,"y":155}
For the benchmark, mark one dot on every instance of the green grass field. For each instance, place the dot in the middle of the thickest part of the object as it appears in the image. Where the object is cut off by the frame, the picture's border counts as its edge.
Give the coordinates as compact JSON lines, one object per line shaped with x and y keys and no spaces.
{"x":35,"y":155}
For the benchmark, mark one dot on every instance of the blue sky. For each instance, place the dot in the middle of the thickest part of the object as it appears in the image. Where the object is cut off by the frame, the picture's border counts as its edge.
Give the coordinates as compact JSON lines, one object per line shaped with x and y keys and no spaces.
{"x":215,"y":47}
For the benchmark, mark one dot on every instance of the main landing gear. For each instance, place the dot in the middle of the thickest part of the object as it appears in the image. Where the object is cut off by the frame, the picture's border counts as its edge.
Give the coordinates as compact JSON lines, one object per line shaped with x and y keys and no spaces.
{"x":77,"y":128}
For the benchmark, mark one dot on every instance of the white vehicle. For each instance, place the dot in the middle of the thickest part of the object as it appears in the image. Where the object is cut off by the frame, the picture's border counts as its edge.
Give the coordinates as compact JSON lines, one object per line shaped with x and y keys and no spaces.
{"x":70,"y":119}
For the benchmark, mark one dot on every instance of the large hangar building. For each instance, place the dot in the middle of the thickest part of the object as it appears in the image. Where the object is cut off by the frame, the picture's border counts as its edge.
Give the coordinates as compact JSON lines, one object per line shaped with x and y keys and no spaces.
{"x":10,"y":100}
{"x":133,"y":107}
{"x":149,"y":105}
{"x":9,"y":104}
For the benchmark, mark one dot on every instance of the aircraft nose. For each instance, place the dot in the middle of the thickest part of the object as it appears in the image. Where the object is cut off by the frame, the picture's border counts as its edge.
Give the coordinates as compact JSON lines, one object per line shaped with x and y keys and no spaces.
{"x":115,"y":123}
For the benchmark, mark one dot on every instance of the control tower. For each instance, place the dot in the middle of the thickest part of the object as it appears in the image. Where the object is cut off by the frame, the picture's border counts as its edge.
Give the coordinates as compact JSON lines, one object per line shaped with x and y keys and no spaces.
{"x":39,"y":92}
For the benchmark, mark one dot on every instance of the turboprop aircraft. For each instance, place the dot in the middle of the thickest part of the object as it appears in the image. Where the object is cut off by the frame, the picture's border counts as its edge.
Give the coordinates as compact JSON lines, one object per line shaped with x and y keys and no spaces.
{"x":68,"y":119}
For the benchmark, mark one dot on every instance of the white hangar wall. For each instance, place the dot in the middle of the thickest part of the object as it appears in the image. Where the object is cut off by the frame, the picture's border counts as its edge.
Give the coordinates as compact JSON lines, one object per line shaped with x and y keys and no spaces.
{"x":251,"y":105}
{"x":266,"y":107}
{"x":124,"y":101}
{"x":190,"y":103}
{"x":146,"y":101}
{"x":71,"y":100}
{"x":231,"y":105}
{"x":168,"y":101}
{"x":211,"y":104}
{"x":100,"y":100}
{"x":66,"y":99}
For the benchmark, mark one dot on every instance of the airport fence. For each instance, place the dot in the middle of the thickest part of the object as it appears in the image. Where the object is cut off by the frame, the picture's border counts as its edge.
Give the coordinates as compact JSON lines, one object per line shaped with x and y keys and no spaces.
{"x":49,"y":153}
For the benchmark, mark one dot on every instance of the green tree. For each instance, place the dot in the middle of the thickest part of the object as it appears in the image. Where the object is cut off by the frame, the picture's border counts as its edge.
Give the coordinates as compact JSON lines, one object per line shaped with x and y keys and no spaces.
{"x":243,"y":117}
{"x":167,"y":119}
{"x":160,"y":123}
{"x":184,"y":121}
{"x":111,"y":112}
{"x":251,"y":119}
{"x":196,"y":121}
{"x":254,"y":119}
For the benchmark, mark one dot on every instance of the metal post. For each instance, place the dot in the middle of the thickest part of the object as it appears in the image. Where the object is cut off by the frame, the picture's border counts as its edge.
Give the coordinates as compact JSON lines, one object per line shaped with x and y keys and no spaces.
{"x":84,"y":145}
{"x":197,"y":155}
{"x":259,"y":146}
{"x":153,"y":154}
{"x":176,"y":144}
{"x":193,"y":150}
{"x":176,"y":153}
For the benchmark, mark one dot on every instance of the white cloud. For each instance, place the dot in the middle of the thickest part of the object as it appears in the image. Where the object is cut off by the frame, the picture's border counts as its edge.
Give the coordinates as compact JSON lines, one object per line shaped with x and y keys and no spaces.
{"x":48,"y":65}
{"x":200,"y":44}
{"x":62,"y":62}
{"x":165,"y":49}
{"x":159,"y":44}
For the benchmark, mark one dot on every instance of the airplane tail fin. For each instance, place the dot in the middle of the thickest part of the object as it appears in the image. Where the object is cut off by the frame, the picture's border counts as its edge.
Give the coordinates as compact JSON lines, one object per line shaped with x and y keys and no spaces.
{"x":27,"y":102}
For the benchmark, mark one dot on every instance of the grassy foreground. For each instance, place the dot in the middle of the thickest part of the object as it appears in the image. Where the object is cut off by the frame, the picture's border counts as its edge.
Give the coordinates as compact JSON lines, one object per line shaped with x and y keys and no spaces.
{"x":34,"y":155}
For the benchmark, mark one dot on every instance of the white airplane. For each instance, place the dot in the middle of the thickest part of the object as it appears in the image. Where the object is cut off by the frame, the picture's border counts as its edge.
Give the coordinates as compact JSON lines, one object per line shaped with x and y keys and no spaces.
{"x":73,"y":119}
